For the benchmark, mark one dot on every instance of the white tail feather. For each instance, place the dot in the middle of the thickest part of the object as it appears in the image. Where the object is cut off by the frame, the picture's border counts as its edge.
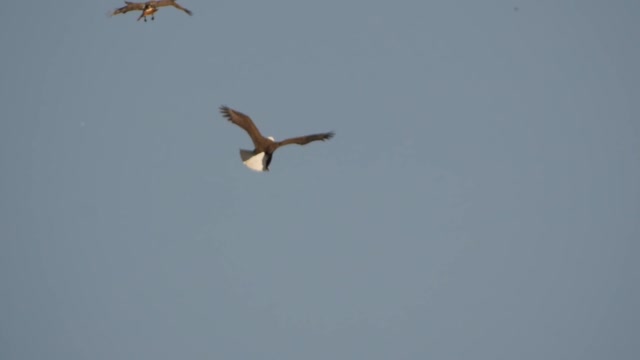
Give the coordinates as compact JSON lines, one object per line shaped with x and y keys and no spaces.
{"x":254,"y":162}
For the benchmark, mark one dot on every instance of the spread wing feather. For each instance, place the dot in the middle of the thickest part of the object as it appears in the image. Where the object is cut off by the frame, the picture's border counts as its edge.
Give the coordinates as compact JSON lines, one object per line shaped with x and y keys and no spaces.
{"x":244,"y":122}
{"x":303,"y":140}
{"x":160,"y":3}
{"x":131,"y":6}
{"x":177,"y":6}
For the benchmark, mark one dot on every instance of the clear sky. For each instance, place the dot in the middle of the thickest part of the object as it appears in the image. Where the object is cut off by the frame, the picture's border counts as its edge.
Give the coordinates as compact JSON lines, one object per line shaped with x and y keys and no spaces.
{"x":481,"y":198}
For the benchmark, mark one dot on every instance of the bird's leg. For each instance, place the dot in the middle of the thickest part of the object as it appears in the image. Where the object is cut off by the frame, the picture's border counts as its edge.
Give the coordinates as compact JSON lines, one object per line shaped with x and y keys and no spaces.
{"x":145,"y":19}
{"x":152,"y":18}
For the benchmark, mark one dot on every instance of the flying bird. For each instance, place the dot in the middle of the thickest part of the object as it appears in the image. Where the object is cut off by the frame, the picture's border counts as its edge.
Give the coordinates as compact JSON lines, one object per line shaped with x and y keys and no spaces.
{"x":148,"y":8}
{"x":264,"y":147}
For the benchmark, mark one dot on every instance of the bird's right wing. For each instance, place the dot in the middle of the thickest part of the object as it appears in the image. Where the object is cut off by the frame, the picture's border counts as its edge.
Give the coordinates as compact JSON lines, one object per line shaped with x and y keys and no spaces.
{"x":303,"y":140}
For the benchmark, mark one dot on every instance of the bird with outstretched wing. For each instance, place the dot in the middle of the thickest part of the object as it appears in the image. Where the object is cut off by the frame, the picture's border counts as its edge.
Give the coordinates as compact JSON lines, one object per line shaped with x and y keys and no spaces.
{"x":264,"y":147}
{"x":149,"y":8}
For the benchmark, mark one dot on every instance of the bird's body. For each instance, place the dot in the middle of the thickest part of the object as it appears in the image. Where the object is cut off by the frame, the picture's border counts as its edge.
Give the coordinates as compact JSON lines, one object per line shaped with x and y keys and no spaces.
{"x":264,"y":147}
{"x":148,"y":8}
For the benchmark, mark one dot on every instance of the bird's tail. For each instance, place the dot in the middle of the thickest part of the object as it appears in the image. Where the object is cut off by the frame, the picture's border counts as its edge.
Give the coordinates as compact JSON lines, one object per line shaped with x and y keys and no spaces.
{"x":254,"y":162}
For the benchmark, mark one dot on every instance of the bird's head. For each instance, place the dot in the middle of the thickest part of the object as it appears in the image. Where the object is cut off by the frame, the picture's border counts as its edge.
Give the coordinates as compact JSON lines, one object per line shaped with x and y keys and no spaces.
{"x":271,"y":138}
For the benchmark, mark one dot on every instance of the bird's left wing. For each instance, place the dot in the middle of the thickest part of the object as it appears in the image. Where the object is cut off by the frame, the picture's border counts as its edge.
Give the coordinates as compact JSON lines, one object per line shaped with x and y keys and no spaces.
{"x":243,"y":121}
{"x":161,"y":3}
{"x":177,"y":6}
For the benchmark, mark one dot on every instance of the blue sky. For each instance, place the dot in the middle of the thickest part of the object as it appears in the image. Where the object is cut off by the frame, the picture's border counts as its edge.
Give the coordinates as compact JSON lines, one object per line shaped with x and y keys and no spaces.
{"x":480,"y":199}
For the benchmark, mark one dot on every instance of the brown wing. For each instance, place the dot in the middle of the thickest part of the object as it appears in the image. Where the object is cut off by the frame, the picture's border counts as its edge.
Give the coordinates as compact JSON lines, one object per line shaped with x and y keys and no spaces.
{"x":244,"y":122}
{"x":177,"y":6}
{"x":131,"y":6}
{"x":303,"y":140}
{"x":161,"y":3}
